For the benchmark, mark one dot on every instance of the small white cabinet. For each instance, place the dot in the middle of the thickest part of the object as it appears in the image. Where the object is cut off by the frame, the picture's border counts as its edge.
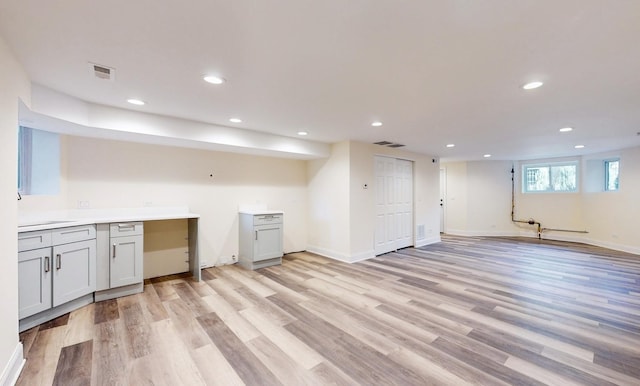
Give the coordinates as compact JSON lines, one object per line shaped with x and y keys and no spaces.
{"x":74,"y":273}
{"x":260,"y":239}
{"x":34,"y":281}
{"x":125,"y":254}
{"x":55,"y":267}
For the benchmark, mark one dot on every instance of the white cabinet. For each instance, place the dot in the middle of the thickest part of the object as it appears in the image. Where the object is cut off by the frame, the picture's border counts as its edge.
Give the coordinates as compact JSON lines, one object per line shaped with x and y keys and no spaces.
{"x":34,"y":281}
{"x":125,"y":254}
{"x":260,"y":239}
{"x":74,"y":272}
{"x":55,"y":267}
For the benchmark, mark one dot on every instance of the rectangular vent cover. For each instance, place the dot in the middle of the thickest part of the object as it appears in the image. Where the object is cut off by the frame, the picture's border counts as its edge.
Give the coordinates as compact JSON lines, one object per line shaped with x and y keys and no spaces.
{"x":102,"y":72}
{"x":420,"y":232}
{"x":388,"y":144}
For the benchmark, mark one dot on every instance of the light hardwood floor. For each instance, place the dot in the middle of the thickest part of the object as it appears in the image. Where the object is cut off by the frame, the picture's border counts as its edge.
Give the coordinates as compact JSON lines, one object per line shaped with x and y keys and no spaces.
{"x":487,"y":311}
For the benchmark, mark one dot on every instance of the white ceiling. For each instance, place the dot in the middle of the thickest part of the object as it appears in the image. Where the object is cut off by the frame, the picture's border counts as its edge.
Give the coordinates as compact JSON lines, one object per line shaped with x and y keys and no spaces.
{"x":434,"y":72}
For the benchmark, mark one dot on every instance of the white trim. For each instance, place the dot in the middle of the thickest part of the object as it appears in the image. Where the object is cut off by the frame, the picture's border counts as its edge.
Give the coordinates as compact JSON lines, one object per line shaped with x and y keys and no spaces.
{"x":458,"y":232}
{"x":614,"y":246}
{"x":13,"y":368}
{"x":429,"y":241}
{"x":550,"y":235}
{"x":341,"y":256}
{"x":366,"y":255}
{"x":328,"y":253}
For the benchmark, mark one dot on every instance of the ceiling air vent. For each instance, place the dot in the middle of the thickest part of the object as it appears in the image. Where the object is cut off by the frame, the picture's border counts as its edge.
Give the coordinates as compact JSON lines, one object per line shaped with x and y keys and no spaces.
{"x":102,"y":72}
{"x":388,"y":144}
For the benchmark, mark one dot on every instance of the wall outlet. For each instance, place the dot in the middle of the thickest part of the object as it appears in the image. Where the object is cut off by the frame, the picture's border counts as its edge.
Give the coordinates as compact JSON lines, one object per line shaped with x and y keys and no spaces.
{"x":83,"y":205}
{"x":234,"y":258}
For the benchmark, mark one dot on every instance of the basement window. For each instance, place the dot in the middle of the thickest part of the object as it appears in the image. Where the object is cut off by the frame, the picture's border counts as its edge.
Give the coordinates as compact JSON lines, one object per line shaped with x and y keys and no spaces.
{"x":611,"y":175}
{"x":38,"y":162}
{"x":549,"y":178}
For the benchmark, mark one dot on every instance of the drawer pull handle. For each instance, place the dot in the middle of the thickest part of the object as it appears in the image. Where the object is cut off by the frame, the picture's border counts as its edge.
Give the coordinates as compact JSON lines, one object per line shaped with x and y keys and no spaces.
{"x":256,"y":235}
{"x":47,"y":264}
{"x":126,"y":226}
{"x":114,"y":251}
{"x":58,"y":261}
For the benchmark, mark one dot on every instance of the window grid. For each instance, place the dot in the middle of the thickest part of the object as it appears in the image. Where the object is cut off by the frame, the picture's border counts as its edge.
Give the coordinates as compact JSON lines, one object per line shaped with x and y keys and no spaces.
{"x":548,"y":178}
{"x":612,"y":175}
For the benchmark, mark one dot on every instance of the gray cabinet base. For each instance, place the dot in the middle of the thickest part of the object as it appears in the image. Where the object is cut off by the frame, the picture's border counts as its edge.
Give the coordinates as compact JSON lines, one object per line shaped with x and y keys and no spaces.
{"x":119,"y":292}
{"x":249,"y":264}
{"x":55,"y":312}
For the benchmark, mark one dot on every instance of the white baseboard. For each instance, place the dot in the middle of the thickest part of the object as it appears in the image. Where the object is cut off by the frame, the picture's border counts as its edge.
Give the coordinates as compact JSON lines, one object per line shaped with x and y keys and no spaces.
{"x":328,"y":253}
{"x":614,"y":246}
{"x":550,"y":235}
{"x":457,"y":232}
{"x":13,"y":368}
{"x":430,"y":240}
{"x":341,"y":256}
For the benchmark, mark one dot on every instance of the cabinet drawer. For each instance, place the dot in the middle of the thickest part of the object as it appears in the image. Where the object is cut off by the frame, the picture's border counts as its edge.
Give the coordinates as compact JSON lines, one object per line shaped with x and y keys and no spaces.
{"x":34,"y":240}
{"x":61,"y":236}
{"x":125,"y":229}
{"x":266,"y":219}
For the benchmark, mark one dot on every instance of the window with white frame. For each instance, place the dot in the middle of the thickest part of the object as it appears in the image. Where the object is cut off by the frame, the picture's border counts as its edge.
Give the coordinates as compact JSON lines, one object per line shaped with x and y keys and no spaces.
{"x":552,"y":177}
{"x":612,"y":174}
{"x":38,"y":162}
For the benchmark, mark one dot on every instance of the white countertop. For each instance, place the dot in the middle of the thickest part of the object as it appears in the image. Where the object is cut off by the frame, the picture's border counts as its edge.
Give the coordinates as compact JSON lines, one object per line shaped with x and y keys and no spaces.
{"x":67,"y":218}
{"x":259,"y":212}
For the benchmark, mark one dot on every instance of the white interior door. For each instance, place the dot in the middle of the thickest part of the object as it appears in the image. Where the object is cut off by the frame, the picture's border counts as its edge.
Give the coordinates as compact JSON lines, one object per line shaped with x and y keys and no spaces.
{"x":443,"y":189}
{"x":404,"y":203}
{"x":393,"y":204}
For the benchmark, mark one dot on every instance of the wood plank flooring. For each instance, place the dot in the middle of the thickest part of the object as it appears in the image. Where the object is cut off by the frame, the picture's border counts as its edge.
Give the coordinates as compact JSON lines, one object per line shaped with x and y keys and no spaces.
{"x":491,"y":311}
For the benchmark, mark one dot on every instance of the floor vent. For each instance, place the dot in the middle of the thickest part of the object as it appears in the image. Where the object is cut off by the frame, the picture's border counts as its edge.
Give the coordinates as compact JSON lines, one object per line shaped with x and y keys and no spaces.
{"x":102,"y":72}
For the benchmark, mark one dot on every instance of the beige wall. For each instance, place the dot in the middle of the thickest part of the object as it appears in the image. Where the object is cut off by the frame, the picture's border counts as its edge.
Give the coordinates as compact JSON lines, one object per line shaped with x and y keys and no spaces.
{"x":456,"y":197}
{"x":15,"y":86}
{"x":612,"y":217}
{"x":342,"y":213}
{"x":328,"y":197}
{"x":114,"y":174}
{"x":479,"y":203}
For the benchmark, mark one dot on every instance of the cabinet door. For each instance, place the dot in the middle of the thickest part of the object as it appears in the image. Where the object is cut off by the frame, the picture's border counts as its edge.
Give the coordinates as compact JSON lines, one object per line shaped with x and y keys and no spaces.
{"x":125,"y":260}
{"x":268,"y":242}
{"x":34,"y":281}
{"x":74,"y":271}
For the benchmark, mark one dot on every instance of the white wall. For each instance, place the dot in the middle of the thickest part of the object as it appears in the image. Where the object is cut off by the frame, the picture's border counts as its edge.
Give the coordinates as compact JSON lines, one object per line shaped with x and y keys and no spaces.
{"x":479,"y":202}
{"x":15,"y":85}
{"x":456,"y":198}
{"x":342,"y":213}
{"x":115,"y":174}
{"x":553,"y":210}
{"x":612,"y":217}
{"x":328,"y":197}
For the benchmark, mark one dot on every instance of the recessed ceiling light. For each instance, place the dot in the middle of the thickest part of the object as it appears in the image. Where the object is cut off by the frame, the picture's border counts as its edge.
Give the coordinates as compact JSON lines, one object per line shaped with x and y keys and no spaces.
{"x":213,"y":79}
{"x":235,"y":120}
{"x":579,"y":146}
{"x":302,"y":133}
{"x":566,"y":129}
{"x":487,"y":155}
{"x":451,"y":145}
{"x":136,"y":102}
{"x":532,"y":85}
{"x":376,"y":124}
